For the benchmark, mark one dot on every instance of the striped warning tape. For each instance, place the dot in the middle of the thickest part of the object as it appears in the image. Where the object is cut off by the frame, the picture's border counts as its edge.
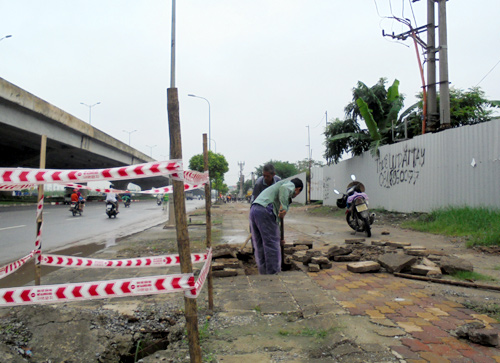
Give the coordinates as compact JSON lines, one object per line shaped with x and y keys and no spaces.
{"x":193,"y":293}
{"x":11,"y":267}
{"x":13,"y":176}
{"x":154,"y":261}
{"x":96,"y":290}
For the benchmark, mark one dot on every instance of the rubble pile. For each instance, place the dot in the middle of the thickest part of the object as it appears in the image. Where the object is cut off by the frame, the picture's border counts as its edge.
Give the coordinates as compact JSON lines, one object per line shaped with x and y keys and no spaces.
{"x":380,"y":255}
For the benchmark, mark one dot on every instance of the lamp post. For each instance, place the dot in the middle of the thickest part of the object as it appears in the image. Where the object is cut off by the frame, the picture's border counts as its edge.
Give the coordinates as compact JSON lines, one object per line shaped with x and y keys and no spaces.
{"x":215,"y":145}
{"x":203,"y":98}
{"x":151,"y":150}
{"x":90,"y":110}
{"x":7,"y":36}
{"x":129,"y":132}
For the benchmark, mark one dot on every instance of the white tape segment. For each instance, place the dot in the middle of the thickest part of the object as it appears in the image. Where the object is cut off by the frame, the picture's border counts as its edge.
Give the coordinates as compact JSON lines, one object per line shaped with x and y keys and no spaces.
{"x":11,"y":267}
{"x":153,"y":261}
{"x":43,"y":176}
{"x":96,"y":290}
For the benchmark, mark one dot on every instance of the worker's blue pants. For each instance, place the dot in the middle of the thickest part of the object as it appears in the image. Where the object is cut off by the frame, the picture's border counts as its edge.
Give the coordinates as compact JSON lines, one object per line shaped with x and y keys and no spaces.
{"x":266,"y":239}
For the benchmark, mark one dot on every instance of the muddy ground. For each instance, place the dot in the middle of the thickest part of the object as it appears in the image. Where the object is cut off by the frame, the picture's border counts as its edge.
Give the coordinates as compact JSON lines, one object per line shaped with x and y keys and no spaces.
{"x":152,"y":328}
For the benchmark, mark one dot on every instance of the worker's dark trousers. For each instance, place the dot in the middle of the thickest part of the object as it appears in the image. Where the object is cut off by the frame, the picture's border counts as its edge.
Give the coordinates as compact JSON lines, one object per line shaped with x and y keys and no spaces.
{"x":266,"y":239}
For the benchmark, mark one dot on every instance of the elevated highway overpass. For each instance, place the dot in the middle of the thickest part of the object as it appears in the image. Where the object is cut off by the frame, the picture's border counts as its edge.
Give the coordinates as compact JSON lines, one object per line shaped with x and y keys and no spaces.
{"x":71,"y":142}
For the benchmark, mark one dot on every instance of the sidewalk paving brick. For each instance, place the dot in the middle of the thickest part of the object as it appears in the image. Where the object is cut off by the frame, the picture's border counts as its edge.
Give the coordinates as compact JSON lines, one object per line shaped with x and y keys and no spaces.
{"x":427,"y":321}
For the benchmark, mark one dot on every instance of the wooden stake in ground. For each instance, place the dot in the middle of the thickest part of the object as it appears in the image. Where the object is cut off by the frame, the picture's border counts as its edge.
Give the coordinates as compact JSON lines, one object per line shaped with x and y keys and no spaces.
{"x":181,"y":225}
{"x":39,"y":218}
{"x":208,"y":204}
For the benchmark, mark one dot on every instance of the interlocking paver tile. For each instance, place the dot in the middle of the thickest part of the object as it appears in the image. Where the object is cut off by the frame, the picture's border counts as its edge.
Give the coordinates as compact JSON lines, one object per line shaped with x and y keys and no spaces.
{"x":477,"y":357}
{"x":455,"y":343}
{"x":444,"y":350}
{"x":437,"y":312}
{"x":434,"y":358}
{"x":385,"y":309}
{"x":341,"y":289}
{"x":447,"y":324}
{"x":497,"y":358}
{"x":415,"y":345}
{"x":452,"y":304}
{"x":484,"y":318}
{"x":410,"y":327}
{"x":427,"y":316}
{"x":347,"y":304}
{"x":425,"y":337}
{"x":405,"y":352}
{"x":393,"y":305}
{"x":420,"y":321}
{"x":375,"y":314}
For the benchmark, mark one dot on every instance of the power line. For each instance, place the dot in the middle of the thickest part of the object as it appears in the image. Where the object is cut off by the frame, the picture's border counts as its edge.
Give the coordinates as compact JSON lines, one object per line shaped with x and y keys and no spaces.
{"x":488,"y":73}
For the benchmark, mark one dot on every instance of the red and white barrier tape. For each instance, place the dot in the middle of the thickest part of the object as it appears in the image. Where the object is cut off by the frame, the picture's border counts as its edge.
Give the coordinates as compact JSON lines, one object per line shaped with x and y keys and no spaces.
{"x":42,"y":176}
{"x":193,"y":293}
{"x":11,"y":267}
{"x":153,"y":261}
{"x":96,"y":290}
{"x":11,"y":187}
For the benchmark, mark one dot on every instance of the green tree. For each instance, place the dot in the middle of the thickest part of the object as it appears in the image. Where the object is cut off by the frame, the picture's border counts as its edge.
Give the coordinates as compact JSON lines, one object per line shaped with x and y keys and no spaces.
{"x":466,"y":108}
{"x":217,"y":165}
{"x":379,"y":108}
{"x":303,"y":165}
{"x":284,"y":169}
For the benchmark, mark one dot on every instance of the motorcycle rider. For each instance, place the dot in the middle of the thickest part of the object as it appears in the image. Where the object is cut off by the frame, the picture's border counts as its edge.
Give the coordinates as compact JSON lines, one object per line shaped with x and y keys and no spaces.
{"x":112,"y":198}
{"x":75,"y":198}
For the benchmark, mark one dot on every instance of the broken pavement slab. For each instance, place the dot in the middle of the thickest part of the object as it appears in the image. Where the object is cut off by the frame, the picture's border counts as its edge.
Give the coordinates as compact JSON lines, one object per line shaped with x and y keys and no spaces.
{"x":364,"y":266}
{"x":395,"y":262}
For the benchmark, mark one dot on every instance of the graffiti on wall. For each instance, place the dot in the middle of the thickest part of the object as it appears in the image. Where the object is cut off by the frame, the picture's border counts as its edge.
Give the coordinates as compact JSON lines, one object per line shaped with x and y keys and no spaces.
{"x":326,"y":187}
{"x":400,"y":168}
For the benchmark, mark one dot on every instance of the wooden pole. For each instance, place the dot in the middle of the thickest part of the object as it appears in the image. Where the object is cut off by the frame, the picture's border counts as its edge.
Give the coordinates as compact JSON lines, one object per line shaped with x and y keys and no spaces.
{"x":39,"y":219}
{"x":181,"y":225}
{"x":208,"y":203}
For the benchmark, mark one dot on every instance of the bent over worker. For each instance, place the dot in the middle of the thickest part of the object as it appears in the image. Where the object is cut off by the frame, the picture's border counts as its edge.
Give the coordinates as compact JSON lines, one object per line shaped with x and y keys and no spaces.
{"x":270,"y":205}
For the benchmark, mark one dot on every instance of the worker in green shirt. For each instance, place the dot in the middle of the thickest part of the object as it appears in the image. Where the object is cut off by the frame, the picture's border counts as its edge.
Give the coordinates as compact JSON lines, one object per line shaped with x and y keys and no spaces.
{"x":270,"y":205}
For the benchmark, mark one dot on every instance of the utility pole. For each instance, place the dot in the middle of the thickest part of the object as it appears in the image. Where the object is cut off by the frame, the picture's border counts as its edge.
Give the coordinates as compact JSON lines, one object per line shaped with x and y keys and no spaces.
{"x":432,"y":114}
{"x":444,"y":83}
{"x":241,"y":164}
{"x":430,"y":105}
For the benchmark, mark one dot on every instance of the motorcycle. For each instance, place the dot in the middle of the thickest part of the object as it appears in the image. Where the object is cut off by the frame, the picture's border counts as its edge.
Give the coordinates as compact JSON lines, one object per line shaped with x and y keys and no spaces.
{"x":75,"y":208}
{"x":355,"y":201}
{"x":111,"y":209}
{"x":126,"y":202}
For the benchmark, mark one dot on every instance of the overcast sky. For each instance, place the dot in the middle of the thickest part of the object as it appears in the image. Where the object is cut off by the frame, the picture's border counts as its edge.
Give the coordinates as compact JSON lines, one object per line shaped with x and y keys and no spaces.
{"x":269,"y":68}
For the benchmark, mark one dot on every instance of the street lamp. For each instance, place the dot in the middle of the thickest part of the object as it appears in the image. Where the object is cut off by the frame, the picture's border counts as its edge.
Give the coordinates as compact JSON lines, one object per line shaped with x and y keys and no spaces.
{"x":215,"y":145}
{"x":151,"y":150}
{"x":90,"y":110}
{"x":129,"y":132}
{"x":7,"y":36}
{"x":203,"y":98}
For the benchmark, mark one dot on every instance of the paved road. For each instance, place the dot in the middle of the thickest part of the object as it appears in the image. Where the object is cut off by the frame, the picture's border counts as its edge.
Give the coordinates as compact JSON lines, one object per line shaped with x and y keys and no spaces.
{"x":60,"y":228}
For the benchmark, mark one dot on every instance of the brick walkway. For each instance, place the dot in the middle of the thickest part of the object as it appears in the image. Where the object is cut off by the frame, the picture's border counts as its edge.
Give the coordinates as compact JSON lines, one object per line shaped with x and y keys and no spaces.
{"x":426,"y":320}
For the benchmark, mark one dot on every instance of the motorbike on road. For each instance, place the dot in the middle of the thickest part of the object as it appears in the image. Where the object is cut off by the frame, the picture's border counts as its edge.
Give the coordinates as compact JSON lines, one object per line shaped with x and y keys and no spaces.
{"x":76,"y":208}
{"x":111,"y":210}
{"x":355,"y":201}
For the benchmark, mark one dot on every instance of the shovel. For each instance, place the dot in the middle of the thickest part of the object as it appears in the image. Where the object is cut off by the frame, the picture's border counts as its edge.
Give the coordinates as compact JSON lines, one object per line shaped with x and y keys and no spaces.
{"x":284,"y":266}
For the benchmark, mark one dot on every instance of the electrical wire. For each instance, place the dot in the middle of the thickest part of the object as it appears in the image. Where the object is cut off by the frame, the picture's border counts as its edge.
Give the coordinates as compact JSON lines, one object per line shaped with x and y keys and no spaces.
{"x":488,"y":73}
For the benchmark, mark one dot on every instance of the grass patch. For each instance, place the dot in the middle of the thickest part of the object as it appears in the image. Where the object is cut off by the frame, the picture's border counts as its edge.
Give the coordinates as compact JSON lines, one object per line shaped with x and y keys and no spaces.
{"x":490,"y":309}
{"x":479,"y":226}
{"x":471,"y":276}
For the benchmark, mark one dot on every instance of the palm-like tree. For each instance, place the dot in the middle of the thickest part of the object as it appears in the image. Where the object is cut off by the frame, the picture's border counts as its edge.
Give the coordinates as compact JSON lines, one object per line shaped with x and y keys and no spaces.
{"x":379,"y":108}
